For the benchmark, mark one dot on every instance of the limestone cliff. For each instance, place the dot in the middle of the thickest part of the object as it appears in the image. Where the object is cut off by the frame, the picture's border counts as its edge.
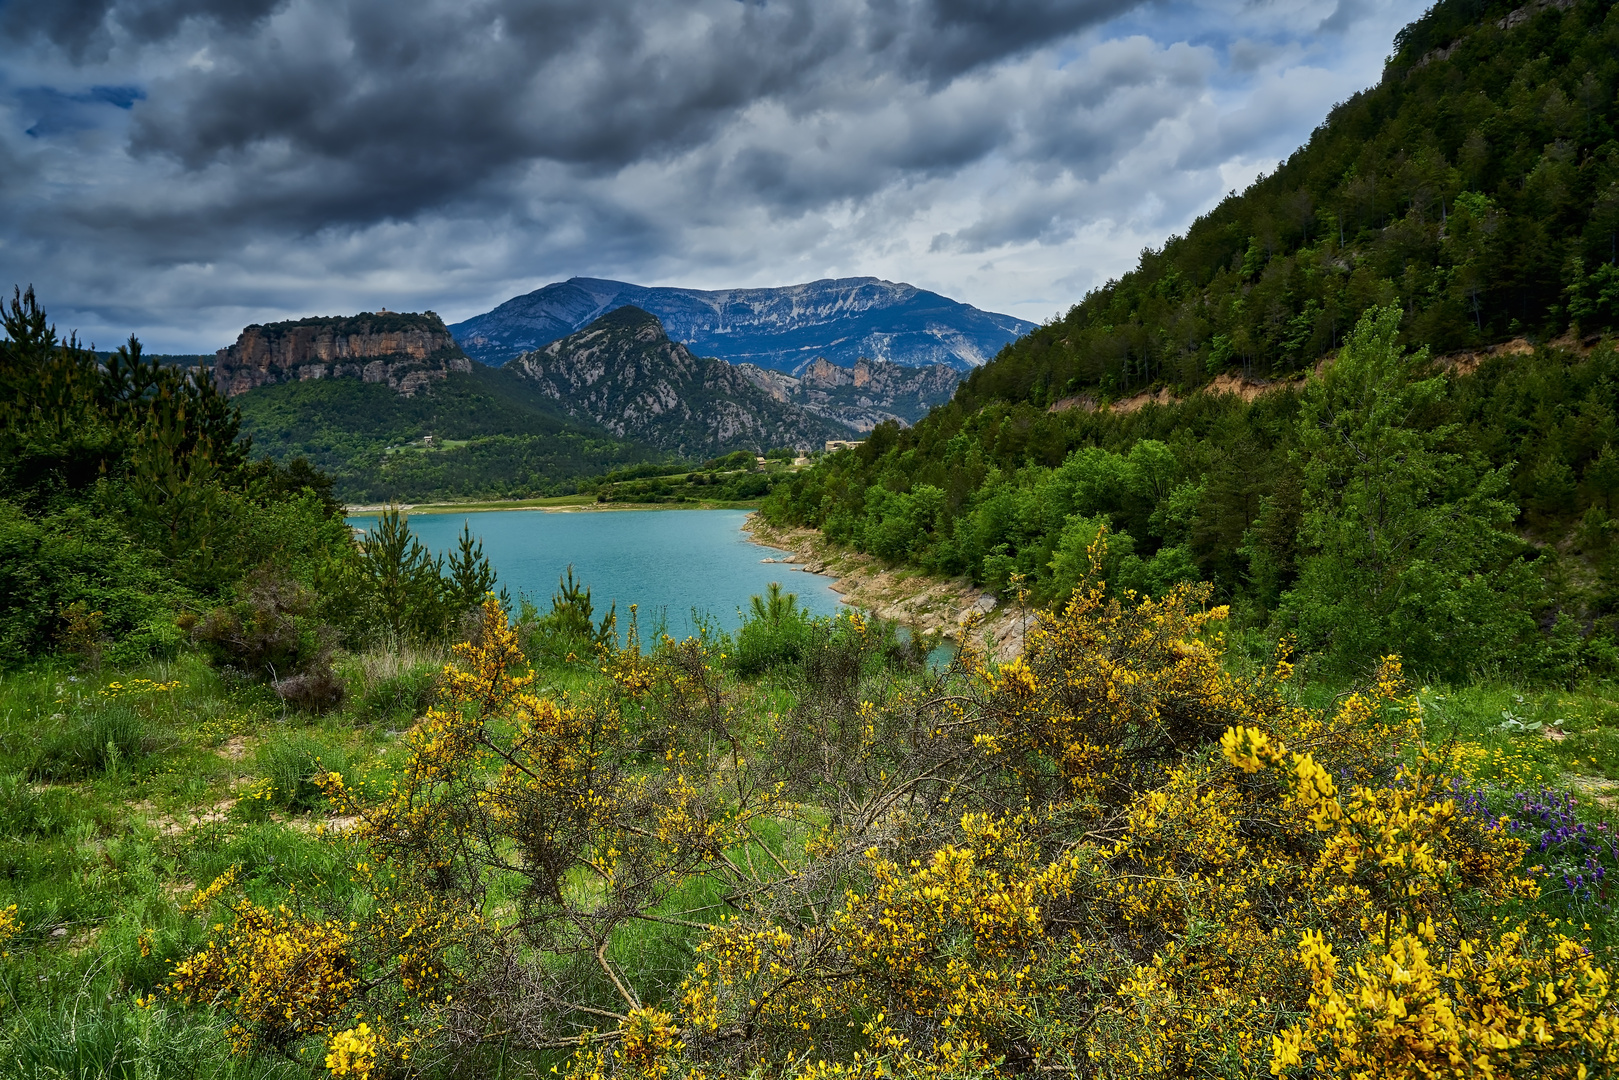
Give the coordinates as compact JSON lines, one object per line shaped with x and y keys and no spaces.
{"x":861,"y":396}
{"x":405,"y":351}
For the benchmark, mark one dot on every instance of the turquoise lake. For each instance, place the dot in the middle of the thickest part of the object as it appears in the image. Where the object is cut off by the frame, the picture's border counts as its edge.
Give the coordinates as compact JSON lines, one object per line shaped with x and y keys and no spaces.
{"x":667,"y":561}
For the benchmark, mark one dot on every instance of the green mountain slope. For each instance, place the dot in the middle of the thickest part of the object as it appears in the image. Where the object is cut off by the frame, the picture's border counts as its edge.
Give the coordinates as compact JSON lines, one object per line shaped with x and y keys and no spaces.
{"x":1471,"y":197}
{"x":492,"y":435}
{"x":1478,"y":183}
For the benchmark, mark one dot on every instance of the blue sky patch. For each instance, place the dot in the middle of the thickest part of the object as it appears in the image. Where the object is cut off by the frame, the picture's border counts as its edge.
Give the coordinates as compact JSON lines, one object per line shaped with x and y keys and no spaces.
{"x":55,"y":112}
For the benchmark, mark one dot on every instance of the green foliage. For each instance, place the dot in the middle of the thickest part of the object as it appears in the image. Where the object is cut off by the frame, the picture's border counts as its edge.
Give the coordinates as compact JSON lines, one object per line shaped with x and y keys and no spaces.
{"x":391,"y":588}
{"x":271,"y":631}
{"x":398,"y":698}
{"x":1213,"y":487}
{"x":774,"y":632}
{"x":127,"y":493}
{"x":53,"y":560}
{"x":28,"y":813}
{"x":290,"y":765}
{"x":1403,"y":541}
{"x":404,"y":579}
{"x":493,"y":436}
{"x":570,"y":630}
{"x":471,"y":577}
{"x":92,"y":740}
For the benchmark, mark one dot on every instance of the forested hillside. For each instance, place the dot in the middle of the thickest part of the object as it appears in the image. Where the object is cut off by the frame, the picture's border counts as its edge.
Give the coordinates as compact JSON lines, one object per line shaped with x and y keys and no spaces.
{"x":483,"y":433}
{"x":1458,"y":512}
{"x":1477,"y":183}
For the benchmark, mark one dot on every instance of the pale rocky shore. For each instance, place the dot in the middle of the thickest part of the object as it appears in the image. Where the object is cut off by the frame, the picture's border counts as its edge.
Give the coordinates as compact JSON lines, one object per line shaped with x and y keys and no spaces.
{"x":903,"y":594}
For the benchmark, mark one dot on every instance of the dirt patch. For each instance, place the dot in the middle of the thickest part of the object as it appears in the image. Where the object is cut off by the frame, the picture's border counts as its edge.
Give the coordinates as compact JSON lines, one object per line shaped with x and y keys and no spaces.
{"x":323,"y":826}
{"x":1459,"y":363}
{"x":946,"y":606}
{"x":233,"y":748}
{"x":1465,"y":363}
{"x":1249,"y":389}
{"x":1082,"y":402}
{"x":1224,"y":383}
{"x":1142,"y":400}
{"x":1597,"y":788}
{"x":193,"y":818}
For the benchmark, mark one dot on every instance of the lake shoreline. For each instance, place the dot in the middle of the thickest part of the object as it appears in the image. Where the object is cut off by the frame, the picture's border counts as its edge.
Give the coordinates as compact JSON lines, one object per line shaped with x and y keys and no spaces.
{"x":682,"y":571}
{"x":585,"y":505}
{"x":902,"y":594}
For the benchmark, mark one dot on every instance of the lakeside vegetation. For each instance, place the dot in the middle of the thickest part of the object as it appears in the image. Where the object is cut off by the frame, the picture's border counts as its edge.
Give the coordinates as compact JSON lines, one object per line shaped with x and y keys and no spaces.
{"x":1463,"y":521}
{"x":691,"y":850}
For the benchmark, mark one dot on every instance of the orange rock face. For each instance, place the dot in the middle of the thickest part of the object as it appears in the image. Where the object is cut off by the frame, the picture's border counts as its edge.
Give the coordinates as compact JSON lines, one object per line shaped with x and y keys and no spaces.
{"x":407,"y":352}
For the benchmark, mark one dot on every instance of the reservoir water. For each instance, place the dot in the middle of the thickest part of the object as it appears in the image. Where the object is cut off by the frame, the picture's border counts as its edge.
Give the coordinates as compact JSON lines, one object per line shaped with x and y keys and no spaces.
{"x":670,"y":562}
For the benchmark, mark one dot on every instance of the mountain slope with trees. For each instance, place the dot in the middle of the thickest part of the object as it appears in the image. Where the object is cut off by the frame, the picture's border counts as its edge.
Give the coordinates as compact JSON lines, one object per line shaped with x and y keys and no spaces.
{"x":482,"y":433}
{"x":1467,"y":200}
{"x":1478,"y":183}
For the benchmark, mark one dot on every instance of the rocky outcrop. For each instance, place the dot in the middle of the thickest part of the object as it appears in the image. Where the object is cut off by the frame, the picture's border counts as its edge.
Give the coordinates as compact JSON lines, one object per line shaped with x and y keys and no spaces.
{"x":954,"y":608}
{"x":623,"y":373}
{"x":408,"y":352}
{"x":863,"y":395}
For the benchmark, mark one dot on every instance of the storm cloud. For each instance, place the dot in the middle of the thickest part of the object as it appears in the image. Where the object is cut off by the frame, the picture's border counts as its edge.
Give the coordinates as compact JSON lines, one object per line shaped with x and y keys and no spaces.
{"x":181,"y":168}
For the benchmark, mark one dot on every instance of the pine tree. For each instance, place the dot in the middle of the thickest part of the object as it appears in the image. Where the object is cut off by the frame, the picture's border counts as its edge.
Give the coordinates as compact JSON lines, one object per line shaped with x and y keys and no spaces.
{"x":1403,"y":537}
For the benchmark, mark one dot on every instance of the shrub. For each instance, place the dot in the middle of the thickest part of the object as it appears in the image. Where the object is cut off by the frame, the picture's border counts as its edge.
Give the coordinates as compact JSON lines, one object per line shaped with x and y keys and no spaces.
{"x":269,"y":632}
{"x":293,"y":767}
{"x":92,"y":740}
{"x":1113,"y":856}
{"x":273,"y":632}
{"x":312,"y":692}
{"x":398,"y":697}
{"x":773,"y":633}
{"x":570,"y":630}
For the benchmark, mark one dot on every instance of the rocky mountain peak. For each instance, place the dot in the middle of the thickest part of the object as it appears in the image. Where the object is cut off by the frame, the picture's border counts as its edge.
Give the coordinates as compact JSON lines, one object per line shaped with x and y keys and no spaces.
{"x":624,"y":373}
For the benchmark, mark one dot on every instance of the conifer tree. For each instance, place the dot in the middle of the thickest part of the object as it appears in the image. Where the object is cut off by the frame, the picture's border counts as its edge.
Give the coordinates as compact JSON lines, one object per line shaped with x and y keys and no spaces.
{"x":1403,"y":538}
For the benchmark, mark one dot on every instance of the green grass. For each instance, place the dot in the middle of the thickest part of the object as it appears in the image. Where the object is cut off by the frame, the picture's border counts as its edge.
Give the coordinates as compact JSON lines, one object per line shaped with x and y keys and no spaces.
{"x":118,"y":801}
{"x":84,"y":1039}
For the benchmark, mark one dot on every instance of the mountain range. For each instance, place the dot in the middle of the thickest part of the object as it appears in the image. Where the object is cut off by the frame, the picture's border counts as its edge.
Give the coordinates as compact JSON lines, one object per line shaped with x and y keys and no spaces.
{"x":785,"y":329}
{"x":391,"y":406}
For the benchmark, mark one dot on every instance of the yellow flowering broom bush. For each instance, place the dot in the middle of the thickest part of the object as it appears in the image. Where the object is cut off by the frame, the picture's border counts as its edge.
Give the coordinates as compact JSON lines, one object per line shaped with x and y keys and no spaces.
{"x":1113,"y":857}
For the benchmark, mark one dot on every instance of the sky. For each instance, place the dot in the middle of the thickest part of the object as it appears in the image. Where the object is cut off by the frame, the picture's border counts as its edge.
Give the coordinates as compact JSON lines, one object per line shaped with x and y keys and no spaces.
{"x":178,"y":169}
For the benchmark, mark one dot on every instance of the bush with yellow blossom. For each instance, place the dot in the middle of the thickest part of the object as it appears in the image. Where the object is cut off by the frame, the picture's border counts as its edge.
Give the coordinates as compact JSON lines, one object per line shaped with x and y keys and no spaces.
{"x":1113,"y":857}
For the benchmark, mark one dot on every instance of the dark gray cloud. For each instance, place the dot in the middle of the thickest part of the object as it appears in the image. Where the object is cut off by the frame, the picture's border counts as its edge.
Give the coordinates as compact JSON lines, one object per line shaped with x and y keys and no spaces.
{"x":166,"y":164}
{"x":90,"y":27}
